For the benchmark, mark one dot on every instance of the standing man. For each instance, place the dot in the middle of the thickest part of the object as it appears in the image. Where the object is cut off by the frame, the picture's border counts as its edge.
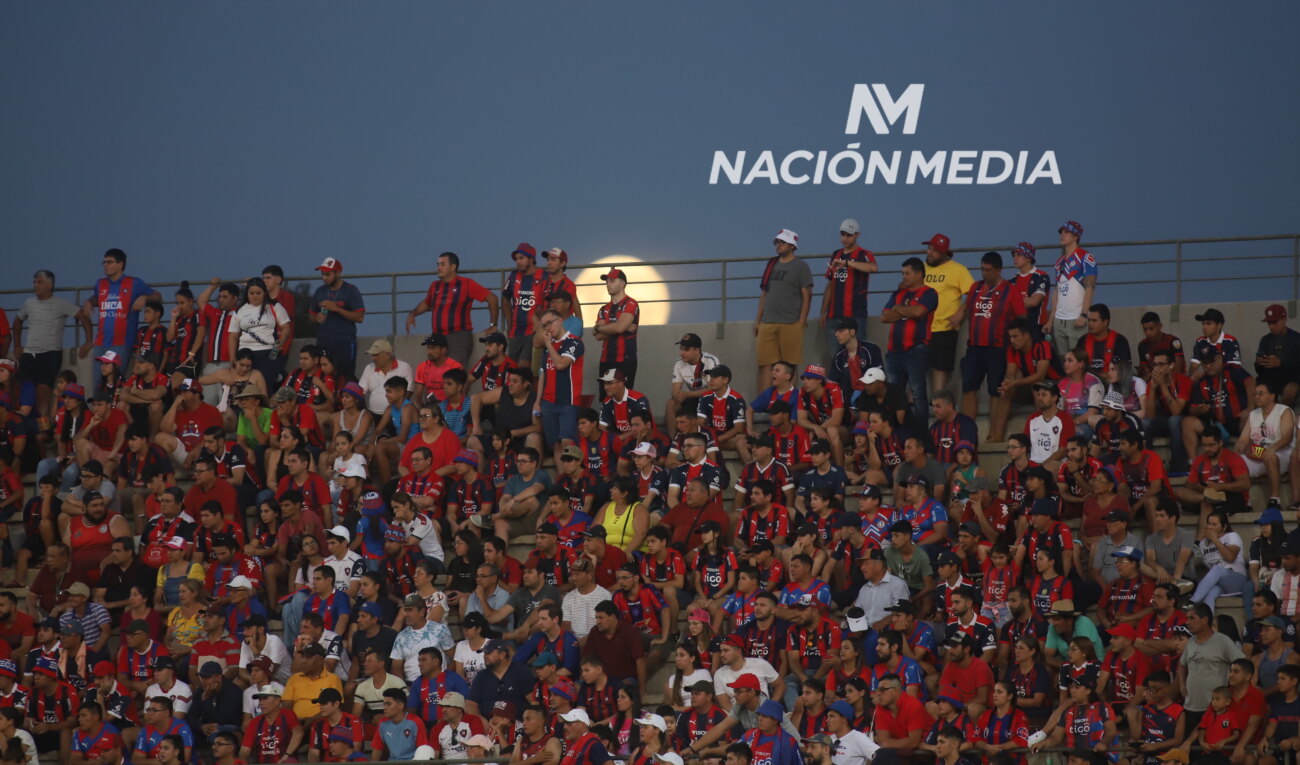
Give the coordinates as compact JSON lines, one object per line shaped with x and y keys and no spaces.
{"x":559,"y":387}
{"x":991,"y":305}
{"x":1031,"y":281}
{"x":1205,"y":661}
{"x":848,"y":278}
{"x":907,"y":357}
{"x":1277,"y":359}
{"x":951,"y":280}
{"x":118,"y":299}
{"x":616,"y":326}
{"x":554,"y":281}
{"x":42,"y":357}
{"x":1076,"y":280}
{"x":338,"y":308}
{"x":520,"y":299}
{"x":783,"y":307}
{"x":449,"y":299}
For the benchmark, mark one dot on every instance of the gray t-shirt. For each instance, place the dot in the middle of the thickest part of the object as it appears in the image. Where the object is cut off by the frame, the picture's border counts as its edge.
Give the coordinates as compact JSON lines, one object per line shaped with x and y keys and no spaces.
{"x":1207,"y":668}
{"x":911,"y":571}
{"x":1104,"y":562}
{"x":44,"y":320}
{"x":931,"y":470}
{"x":517,"y":483}
{"x":524,"y":602}
{"x":1166,"y":553}
{"x":785,"y":286}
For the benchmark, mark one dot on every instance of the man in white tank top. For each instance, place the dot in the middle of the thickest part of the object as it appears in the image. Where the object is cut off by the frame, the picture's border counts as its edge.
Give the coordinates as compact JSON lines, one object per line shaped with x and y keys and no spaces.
{"x":1267,"y":436}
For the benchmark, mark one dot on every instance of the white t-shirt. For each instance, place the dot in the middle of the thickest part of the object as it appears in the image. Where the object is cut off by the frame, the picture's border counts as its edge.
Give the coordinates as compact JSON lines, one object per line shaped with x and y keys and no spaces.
{"x":274,"y":650}
{"x":725,"y":675}
{"x":1044,"y":436}
{"x":180,"y":694}
{"x":471,"y":661}
{"x":854,"y":748}
{"x":372,"y":382}
{"x":356,"y":460}
{"x":694,"y":677}
{"x":425,"y":530}
{"x":1210,"y":553}
{"x":691,"y":376}
{"x":580,"y":610}
{"x":256,"y":325}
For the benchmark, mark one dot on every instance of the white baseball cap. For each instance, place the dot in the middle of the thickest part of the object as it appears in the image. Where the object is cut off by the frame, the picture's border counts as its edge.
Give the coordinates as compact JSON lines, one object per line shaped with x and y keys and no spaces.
{"x":1113,"y":400}
{"x":270,"y":689}
{"x":353,"y":471}
{"x":576,"y":715}
{"x":341,"y":532}
{"x":670,"y":757}
{"x":423,"y":752}
{"x":654,"y":720}
{"x":874,"y":374}
{"x":240,"y":582}
{"x":788,"y":236}
{"x":850,"y":226}
{"x":646,"y":449}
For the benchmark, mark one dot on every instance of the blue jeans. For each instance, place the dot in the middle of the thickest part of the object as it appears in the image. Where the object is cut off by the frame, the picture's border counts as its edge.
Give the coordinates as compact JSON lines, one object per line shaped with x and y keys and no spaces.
{"x":910,"y":368}
{"x":1171,"y":427}
{"x":1221,"y":579}
{"x":50,"y":466}
{"x":291,"y":615}
{"x":559,"y":421}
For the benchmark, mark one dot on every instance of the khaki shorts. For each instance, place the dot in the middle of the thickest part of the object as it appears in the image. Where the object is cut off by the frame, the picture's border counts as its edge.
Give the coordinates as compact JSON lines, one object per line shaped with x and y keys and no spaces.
{"x":779,"y":342}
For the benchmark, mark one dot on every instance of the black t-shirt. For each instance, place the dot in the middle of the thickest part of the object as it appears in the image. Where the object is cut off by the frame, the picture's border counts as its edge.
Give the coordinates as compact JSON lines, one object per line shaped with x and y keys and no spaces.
{"x":510,"y":416}
{"x":382,"y":642}
{"x":117,"y":582}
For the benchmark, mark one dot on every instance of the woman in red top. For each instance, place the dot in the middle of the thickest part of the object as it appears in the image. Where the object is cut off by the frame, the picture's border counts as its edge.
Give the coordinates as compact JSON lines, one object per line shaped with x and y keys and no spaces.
{"x":1099,"y":503}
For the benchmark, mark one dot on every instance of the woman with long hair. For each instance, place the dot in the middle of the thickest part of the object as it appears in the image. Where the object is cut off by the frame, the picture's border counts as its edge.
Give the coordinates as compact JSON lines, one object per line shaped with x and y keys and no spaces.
{"x":235,"y":380}
{"x":687,"y":671}
{"x":627,"y":708}
{"x":310,"y":555}
{"x":435,"y":600}
{"x":467,"y":556}
{"x":1103,"y":499}
{"x":1030,"y":680}
{"x":807,"y":541}
{"x":468,"y":657}
{"x":1222,"y":550}
{"x":699,"y":633}
{"x":851,"y":665}
{"x":1081,"y":393}
{"x":261,"y":547}
{"x":353,"y":417}
{"x":374,"y":589}
{"x":1265,"y":557}
{"x":1080,"y":665}
{"x":652,"y":729}
{"x":261,"y":325}
{"x":186,"y":334}
{"x":185,"y":621}
{"x":171,"y":575}
{"x":857,"y":692}
{"x":1085,"y":722}
{"x":139,"y":608}
{"x":624,"y":518}
{"x":290,"y":440}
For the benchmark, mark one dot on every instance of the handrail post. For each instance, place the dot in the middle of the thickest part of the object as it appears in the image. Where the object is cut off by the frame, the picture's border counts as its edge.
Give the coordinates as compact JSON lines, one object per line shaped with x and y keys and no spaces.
{"x":392,"y":303}
{"x":722,"y":318}
{"x":1178,"y":281}
{"x":1295,"y":271}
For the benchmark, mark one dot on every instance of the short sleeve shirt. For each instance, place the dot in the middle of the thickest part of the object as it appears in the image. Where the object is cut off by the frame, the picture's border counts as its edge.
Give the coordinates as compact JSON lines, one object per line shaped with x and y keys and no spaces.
{"x":952,"y":281}
{"x":784,"y":285}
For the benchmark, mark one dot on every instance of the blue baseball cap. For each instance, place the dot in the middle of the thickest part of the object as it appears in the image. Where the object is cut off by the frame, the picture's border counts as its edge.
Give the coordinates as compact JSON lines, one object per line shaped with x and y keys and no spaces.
{"x":773,"y":709}
{"x":843,"y":709}
{"x":372,"y":608}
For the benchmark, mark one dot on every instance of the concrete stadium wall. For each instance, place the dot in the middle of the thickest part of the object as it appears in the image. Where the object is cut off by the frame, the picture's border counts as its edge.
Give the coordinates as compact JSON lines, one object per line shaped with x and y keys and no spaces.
{"x":733,"y":343}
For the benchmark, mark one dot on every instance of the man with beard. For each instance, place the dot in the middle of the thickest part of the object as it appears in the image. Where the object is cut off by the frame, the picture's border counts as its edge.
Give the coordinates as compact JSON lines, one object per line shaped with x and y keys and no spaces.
{"x":90,"y":536}
{"x":1025,"y":621}
{"x":337,"y":307}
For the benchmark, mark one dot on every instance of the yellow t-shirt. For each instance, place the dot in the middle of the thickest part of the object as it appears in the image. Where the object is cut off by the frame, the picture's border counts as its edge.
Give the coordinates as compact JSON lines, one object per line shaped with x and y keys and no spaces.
{"x":302,"y":692}
{"x":952,"y":281}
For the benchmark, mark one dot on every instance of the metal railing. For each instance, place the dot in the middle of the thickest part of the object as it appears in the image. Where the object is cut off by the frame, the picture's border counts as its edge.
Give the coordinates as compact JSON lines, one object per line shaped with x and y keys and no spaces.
{"x":1132,"y":272}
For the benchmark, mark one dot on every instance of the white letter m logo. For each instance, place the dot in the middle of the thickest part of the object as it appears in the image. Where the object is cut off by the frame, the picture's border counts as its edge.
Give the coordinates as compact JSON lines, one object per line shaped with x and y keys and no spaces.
{"x":883,"y":109}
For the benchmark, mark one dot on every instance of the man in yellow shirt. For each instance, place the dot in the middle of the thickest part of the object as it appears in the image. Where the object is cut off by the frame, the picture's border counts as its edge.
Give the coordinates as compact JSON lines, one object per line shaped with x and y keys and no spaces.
{"x":952,"y":281}
{"x":305,"y":685}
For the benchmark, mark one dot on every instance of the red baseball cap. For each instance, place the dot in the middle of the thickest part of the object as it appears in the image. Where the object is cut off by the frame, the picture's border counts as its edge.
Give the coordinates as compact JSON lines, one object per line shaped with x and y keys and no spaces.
{"x":1274,"y":312}
{"x":1124,"y":630}
{"x":614,"y":273}
{"x":525,"y":249}
{"x":105,"y":669}
{"x":939,"y":242}
{"x":746,"y":681}
{"x":330,"y":264}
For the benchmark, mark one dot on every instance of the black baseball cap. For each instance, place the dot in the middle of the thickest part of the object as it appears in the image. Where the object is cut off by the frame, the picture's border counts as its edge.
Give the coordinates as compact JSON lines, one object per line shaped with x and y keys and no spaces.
{"x":721,"y":370}
{"x":1211,"y":314}
{"x":690,"y":340}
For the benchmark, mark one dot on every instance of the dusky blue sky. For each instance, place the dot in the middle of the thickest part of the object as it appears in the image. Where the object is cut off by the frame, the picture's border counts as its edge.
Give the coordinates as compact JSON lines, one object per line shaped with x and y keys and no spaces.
{"x":242,"y":133}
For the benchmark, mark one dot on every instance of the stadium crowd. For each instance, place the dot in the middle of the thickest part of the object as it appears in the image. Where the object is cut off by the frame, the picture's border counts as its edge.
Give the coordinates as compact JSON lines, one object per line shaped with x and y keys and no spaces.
{"x":220,"y":550}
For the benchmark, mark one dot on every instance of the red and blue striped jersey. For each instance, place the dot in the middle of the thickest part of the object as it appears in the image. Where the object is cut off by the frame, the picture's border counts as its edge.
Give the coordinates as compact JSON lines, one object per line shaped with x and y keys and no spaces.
{"x":492,"y":375}
{"x":722,"y":412}
{"x":133,"y":465}
{"x":816,"y":645}
{"x":849,"y":287}
{"x":138,"y":665}
{"x":944,"y":436}
{"x":117,"y":319}
{"x":741,"y":608}
{"x":876,"y":528}
{"x":906,"y":333}
{"x":218,"y":323}
{"x":569,"y":533}
{"x":187,"y":330}
{"x":1106,"y":436}
{"x":1227,"y":394}
{"x":1035,"y":626}
{"x":998,"y":581}
{"x":150,"y":340}
{"x":791,"y":448}
{"x":996,"y":730}
{"x":548,"y":286}
{"x":642,"y":609}
{"x":330,"y":608}
{"x":579,"y":488}
{"x":1085,"y":726}
{"x":924,"y":517}
{"x":136,"y":382}
{"x":553,"y":568}
{"x":774,"y":471}
{"x":820,"y":408}
{"x":1057,"y":539}
{"x":302,"y":383}
{"x":450,"y":302}
{"x":1036,"y":282}
{"x":765,"y":644}
{"x":620,"y":347}
{"x":399,"y":572}
{"x":470,"y":497}
{"x":1141,"y":475}
{"x":429,"y":484}
{"x":57,"y":707}
{"x":686,"y":472}
{"x":1045,"y":592}
{"x":714,"y":568}
{"x":564,"y":386}
{"x":1102,"y":353}
{"x":1126,"y":675}
{"x":1011,"y":480}
{"x":990,"y":309}
{"x":1027,"y":362}
{"x":1160,"y":724}
{"x":654,"y":571}
{"x":962,"y":723}
{"x":754,"y":526}
{"x":656,"y":482}
{"x":520,"y":302}
{"x":616,"y":415}
{"x":1125,"y":597}
{"x":318,"y":737}
{"x":601,"y":454}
